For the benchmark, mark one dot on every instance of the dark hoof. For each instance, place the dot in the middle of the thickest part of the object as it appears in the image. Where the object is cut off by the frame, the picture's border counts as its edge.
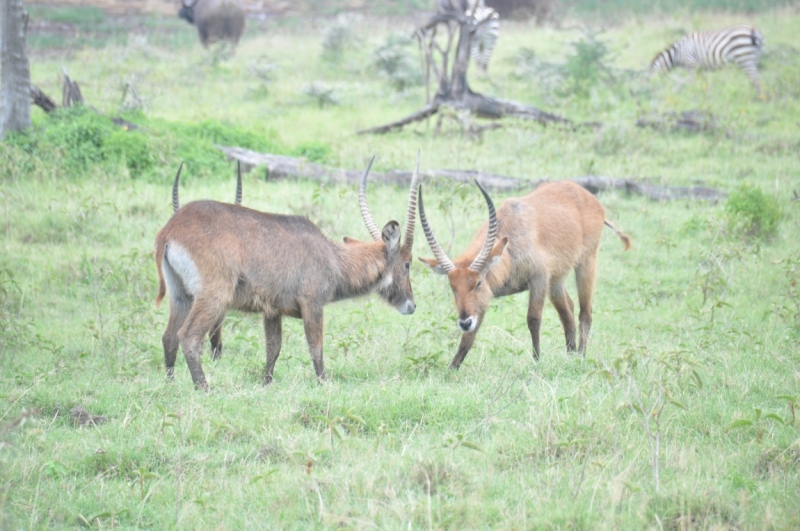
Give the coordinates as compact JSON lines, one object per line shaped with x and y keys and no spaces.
{"x":216,"y":353}
{"x":201,"y":385}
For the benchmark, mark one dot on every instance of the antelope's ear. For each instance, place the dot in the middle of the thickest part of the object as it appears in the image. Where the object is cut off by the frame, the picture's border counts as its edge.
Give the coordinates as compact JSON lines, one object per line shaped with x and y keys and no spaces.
{"x":391,"y":235}
{"x":348,"y":239}
{"x":494,"y":256}
{"x":433,"y":264}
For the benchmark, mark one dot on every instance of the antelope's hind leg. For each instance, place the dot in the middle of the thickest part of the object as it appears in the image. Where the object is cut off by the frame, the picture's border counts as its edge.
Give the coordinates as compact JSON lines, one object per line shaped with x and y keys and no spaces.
{"x":273,"y":332}
{"x":313,"y":324}
{"x":205,"y":313}
{"x":178,"y":310}
{"x":566,"y":311}
{"x":584,"y":276}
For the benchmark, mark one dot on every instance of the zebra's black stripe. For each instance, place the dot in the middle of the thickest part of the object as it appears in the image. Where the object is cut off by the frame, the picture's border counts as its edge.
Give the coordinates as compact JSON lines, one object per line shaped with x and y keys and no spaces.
{"x":741,"y":44}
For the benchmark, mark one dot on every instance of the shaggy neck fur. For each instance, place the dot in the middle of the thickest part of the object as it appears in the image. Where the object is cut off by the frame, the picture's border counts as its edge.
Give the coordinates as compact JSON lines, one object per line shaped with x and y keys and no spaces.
{"x":362,"y":266}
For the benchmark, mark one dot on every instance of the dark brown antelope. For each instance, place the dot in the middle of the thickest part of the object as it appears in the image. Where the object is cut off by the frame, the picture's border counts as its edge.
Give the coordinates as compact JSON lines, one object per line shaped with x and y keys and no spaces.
{"x":216,"y":332}
{"x":530,"y":244}
{"x":215,"y":19}
{"x":213,"y":256}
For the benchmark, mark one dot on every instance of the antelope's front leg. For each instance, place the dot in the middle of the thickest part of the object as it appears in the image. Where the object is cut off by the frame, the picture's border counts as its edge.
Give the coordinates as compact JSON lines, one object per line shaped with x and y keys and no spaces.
{"x":216,"y":339}
{"x":535,"y":307}
{"x":467,"y":339}
{"x":313,"y":323}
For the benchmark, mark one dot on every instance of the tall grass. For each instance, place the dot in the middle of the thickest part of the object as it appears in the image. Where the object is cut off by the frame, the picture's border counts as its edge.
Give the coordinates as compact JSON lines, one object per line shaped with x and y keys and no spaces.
{"x":694,"y":342}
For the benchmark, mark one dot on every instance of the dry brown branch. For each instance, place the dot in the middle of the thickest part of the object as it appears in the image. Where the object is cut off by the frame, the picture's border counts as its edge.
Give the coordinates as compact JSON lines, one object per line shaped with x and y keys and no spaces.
{"x":42,"y":100}
{"x":450,"y":71}
{"x":71,"y":92}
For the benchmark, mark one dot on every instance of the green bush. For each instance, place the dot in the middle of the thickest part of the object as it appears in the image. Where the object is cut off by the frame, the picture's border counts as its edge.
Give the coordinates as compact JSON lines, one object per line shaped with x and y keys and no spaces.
{"x":72,"y":138}
{"x":751,"y":211}
{"x":394,"y":60}
{"x":586,"y":67}
{"x":77,"y":140}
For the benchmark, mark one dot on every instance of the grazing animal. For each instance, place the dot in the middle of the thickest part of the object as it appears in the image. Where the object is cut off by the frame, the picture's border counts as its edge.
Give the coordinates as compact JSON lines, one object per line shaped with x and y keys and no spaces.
{"x":486,"y":32}
{"x":741,"y":44}
{"x":213,"y":256}
{"x":215,"y":19}
{"x":530,"y":244}
{"x":486,"y":35}
{"x":216,"y":331}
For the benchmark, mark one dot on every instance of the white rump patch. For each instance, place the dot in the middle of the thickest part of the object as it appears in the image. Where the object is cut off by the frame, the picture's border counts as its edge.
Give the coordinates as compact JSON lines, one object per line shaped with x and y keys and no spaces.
{"x":182,"y":264}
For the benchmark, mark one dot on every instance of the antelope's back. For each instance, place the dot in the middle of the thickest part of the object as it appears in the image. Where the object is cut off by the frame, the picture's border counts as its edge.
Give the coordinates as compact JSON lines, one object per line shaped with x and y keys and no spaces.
{"x":220,"y":19}
{"x":561,"y":219}
{"x":230,"y":240}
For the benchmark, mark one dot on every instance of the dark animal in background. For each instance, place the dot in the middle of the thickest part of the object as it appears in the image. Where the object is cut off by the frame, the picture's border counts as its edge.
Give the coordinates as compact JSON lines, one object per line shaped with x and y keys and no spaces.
{"x":741,"y":44}
{"x":216,"y":20}
{"x":212,"y":257}
{"x":530,"y":244}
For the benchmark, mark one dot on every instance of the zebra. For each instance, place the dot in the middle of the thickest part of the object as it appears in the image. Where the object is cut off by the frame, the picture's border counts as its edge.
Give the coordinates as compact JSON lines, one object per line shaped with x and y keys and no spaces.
{"x":487,"y":27}
{"x":741,"y":44}
{"x":486,"y":34}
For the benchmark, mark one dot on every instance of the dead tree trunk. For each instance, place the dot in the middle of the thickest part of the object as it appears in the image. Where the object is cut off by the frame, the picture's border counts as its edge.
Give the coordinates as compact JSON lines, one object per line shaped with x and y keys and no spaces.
{"x":461,"y":20}
{"x":15,"y":75}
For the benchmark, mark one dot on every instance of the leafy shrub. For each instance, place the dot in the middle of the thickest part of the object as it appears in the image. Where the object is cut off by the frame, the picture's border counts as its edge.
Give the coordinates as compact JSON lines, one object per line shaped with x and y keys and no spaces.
{"x":393,"y":61}
{"x":751,"y":211}
{"x":77,"y":140}
{"x":339,"y":35}
{"x":322,"y":93}
{"x":586,"y":67}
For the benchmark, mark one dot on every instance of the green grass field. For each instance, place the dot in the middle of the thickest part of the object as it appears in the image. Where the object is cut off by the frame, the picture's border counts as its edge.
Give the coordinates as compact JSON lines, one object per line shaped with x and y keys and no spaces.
{"x":693,"y":366}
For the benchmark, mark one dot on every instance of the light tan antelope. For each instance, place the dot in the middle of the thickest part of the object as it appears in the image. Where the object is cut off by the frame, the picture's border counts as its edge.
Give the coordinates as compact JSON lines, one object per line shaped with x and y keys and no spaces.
{"x":212,"y":257}
{"x":530,"y":244}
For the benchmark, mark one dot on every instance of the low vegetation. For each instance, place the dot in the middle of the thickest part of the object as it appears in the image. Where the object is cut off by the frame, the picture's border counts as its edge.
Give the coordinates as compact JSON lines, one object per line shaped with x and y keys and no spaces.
{"x":682,"y":415}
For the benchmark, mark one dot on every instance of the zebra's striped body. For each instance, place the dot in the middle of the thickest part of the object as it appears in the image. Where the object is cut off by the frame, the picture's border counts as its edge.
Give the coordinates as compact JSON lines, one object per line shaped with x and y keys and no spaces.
{"x":486,"y":34}
{"x":487,"y":27}
{"x":741,"y":44}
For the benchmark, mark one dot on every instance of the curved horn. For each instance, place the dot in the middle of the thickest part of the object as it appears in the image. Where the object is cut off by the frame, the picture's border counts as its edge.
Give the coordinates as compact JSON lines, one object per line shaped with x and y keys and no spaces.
{"x":175,"y":203}
{"x":362,"y":202}
{"x":444,"y":262}
{"x":480,"y":260}
{"x":411,"y":215}
{"x":238,"y":182}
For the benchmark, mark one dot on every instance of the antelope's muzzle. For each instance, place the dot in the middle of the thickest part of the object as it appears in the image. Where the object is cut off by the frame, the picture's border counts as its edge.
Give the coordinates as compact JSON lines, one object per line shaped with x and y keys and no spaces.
{"x":468,"y":324}
{"x":407,"y":308}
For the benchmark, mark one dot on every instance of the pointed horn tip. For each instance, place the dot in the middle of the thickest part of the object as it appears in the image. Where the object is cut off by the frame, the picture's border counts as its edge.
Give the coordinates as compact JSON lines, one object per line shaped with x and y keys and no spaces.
{"x":366,"y":171}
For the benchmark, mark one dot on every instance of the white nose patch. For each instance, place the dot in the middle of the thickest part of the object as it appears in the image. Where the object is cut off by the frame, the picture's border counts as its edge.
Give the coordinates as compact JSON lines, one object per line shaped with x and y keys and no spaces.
{"x":407,"y":308}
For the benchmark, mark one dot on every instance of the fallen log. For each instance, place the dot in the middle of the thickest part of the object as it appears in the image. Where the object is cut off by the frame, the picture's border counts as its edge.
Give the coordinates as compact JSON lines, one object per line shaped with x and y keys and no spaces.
{"x":283,"y":167}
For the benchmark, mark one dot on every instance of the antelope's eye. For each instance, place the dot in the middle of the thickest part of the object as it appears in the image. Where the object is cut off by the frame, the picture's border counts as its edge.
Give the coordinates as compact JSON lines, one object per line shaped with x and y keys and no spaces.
{"x":478,"y":284}
{"x":408,"y":266}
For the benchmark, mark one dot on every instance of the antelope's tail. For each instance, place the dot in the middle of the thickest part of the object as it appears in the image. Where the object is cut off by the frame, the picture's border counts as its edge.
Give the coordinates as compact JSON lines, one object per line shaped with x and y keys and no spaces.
{"x":626,"y":240}
{"x":162,"y":286}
